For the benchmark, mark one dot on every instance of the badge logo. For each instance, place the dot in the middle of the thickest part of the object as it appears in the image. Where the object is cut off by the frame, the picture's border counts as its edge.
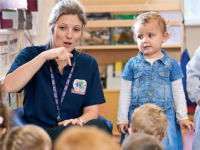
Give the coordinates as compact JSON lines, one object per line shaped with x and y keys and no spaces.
{"x":79,"y":86}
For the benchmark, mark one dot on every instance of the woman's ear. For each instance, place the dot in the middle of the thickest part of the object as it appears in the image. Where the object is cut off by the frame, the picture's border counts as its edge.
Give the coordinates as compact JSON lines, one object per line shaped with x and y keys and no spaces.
{"x":165,"y":36}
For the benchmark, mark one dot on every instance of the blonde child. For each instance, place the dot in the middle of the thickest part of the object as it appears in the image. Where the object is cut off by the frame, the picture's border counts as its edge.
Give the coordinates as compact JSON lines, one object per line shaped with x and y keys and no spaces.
{"x":29,"y":137}
{"x":88,"y":138}
{"x":141,"y":141}
{"x":154,"y":77}
{"x":4,"y":118}
{"x":149,"y":119}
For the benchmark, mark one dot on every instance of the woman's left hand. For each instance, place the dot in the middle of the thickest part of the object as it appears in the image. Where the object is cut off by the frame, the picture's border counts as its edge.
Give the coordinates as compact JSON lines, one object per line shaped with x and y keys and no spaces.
{"x":72,"y":121}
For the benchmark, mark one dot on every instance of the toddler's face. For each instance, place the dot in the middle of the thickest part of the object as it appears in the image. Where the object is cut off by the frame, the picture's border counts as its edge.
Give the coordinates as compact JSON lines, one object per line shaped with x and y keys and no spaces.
{"x":150,"y":37}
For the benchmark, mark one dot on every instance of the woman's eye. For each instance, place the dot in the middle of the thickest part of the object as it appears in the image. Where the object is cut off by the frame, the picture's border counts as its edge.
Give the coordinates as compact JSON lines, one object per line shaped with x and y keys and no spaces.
{"x":150,"y":35}
{"x":77,"y":30}
{"x":63,"y":28}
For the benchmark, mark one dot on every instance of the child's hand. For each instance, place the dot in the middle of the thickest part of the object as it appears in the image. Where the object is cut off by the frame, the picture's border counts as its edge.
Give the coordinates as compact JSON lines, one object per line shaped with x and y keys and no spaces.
{"x":122,"y":128}
{"x":186,"y":124}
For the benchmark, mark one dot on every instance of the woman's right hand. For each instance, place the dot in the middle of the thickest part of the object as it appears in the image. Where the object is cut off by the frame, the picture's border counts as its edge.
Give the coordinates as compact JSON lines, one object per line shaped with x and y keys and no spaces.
{"x":60,"y":54}
{"x":122,"y":128}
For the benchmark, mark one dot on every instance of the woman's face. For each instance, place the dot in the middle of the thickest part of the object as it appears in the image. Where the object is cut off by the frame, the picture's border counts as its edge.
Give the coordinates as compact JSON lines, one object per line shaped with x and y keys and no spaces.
{"x":67,"y":32}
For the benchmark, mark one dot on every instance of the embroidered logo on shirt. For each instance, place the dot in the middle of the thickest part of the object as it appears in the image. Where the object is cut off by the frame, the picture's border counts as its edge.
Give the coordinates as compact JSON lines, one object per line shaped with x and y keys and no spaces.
{"x":79,"y":86}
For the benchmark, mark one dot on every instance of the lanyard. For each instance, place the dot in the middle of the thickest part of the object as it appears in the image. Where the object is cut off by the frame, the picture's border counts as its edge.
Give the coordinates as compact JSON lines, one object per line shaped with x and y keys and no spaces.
{"x":54,"y":86}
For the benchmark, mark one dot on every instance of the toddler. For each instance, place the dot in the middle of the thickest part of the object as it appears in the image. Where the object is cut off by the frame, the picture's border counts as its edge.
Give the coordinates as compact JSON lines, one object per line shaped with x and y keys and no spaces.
{"x":29,"y":137}
{"x":154,"y":77}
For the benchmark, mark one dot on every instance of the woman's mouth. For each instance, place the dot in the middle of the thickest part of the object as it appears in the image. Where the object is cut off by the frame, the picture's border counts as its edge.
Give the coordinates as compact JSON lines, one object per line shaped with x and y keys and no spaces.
{"x":67,"y":44}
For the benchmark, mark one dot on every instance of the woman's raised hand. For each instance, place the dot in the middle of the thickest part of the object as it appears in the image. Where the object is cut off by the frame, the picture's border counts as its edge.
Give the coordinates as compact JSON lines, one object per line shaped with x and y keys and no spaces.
{"x":60,"y":54}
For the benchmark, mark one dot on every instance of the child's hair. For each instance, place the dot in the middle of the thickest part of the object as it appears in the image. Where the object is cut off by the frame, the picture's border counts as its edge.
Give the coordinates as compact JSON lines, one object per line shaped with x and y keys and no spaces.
{"x":4,"y":117}
{"x":147,"y":16}
{"x":29,"y":137}
{"x":141,"y":141}
{"x":149,"y":119}
{"x":88,"y":138}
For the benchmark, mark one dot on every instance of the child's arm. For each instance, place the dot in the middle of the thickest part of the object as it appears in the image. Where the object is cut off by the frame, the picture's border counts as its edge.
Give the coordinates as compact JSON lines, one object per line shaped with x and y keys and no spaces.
{"x":180,"y":105}
{"x":123,"y":106}
{"x":193,"y":77}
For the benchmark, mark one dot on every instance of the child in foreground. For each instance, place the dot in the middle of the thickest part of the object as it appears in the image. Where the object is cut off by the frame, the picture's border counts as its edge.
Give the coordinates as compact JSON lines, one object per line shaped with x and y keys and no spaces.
{"x":149,"y":119}
{"x":141,"y":141}
{"x":29,"y":137}
{"x":88,"y":138}
{"x":154,"y":77}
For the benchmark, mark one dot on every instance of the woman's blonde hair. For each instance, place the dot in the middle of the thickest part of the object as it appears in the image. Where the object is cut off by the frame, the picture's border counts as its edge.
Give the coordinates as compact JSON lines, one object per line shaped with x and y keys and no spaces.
{"x":149,"y":119}
{"x":145,"y":17}
{"x":88,"y":138}
{"x":67,"y":7}
{"x":29,"y":137}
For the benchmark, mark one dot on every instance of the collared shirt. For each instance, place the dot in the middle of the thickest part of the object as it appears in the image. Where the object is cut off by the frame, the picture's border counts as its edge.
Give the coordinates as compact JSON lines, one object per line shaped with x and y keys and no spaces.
{"x":84,"y":88}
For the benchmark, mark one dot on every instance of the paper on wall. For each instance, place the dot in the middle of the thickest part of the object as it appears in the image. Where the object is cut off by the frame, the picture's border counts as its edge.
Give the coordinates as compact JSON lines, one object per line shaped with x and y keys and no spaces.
{"x":13,"y":4}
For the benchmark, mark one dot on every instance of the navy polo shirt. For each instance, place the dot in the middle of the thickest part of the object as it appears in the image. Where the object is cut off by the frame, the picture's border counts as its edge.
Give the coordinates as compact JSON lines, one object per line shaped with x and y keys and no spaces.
{"x":84,"y":88}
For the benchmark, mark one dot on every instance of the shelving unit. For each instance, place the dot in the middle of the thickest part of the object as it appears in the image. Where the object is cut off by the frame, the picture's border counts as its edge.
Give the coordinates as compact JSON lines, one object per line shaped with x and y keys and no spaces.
{"x":109,"y":54}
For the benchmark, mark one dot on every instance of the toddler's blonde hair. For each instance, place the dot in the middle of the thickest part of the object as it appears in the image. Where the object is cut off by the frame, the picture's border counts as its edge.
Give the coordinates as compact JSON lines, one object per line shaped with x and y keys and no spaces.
{"x":146,"y":17}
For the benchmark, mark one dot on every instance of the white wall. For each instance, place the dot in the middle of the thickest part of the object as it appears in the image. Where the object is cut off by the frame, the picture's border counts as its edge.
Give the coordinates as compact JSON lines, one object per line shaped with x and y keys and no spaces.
{"x":46,"y":7}
{"x":192,"y":39}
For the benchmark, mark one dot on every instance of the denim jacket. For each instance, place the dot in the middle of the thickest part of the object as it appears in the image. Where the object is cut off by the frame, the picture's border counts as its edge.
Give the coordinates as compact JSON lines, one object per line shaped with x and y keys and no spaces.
{"x":152,"y":84}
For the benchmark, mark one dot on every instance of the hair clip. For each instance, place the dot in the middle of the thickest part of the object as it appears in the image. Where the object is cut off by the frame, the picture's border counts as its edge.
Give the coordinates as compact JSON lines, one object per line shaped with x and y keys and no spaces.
{"x":1,"y":119}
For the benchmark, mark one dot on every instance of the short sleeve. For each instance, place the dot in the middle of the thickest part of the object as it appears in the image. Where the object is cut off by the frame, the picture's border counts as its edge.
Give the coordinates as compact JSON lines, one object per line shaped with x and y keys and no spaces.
{"x":95,"y":93}
{"x":128,"y":71}
{"x":23,"y":57}
{"x":176,"y":72}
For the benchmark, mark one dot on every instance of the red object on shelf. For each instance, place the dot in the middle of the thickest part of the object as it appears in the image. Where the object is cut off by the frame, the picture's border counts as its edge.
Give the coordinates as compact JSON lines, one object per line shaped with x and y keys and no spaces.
{"x":191,"y":109}
{"x":5,"y":23}
{"x":32,"y":5}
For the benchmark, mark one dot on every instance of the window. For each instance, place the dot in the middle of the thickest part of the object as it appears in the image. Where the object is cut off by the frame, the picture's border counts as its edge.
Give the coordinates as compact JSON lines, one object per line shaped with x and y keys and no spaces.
{"x":192,"y":12}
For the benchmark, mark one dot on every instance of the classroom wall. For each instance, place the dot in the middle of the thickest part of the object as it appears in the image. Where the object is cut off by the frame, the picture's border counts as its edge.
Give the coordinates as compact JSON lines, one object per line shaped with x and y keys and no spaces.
{"x":47,"y":5}
{"x":192,"y":39}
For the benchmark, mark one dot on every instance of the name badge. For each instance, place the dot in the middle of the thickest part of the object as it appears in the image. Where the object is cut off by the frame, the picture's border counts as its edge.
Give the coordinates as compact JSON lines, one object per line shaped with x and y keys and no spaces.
{"x":79,"y":87}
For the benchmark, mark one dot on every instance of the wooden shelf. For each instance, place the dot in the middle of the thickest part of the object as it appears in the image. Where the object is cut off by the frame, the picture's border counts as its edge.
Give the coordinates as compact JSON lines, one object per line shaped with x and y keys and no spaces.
{"x":132,"y":8}
{"x":111,"y":90}
{"x":115,"y":47}
{"x":123,"y":23}
{"x":11,"y":31}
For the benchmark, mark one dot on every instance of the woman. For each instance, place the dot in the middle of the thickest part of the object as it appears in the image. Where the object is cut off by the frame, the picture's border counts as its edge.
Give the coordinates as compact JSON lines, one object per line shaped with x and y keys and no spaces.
{"x":61,"y":85}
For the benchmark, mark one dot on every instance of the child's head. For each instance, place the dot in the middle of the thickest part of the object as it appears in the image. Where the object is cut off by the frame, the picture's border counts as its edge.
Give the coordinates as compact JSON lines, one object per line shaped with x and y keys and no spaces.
{"x":141,"y":141}
{"x":29,"y":137}
{"x":149,"y":119}
{"x":4,"y":118}
{"x":89,"y":138}
{"x":150,"y":31}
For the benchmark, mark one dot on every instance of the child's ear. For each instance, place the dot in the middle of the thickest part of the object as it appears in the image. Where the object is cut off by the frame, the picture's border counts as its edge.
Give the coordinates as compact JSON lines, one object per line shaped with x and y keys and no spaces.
{"x":129,"y":131}
{"x":165,"y":36}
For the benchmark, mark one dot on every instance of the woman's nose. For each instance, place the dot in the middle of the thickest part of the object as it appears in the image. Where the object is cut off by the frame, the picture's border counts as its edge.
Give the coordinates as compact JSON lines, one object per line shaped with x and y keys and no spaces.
{"x":69,"y":34}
